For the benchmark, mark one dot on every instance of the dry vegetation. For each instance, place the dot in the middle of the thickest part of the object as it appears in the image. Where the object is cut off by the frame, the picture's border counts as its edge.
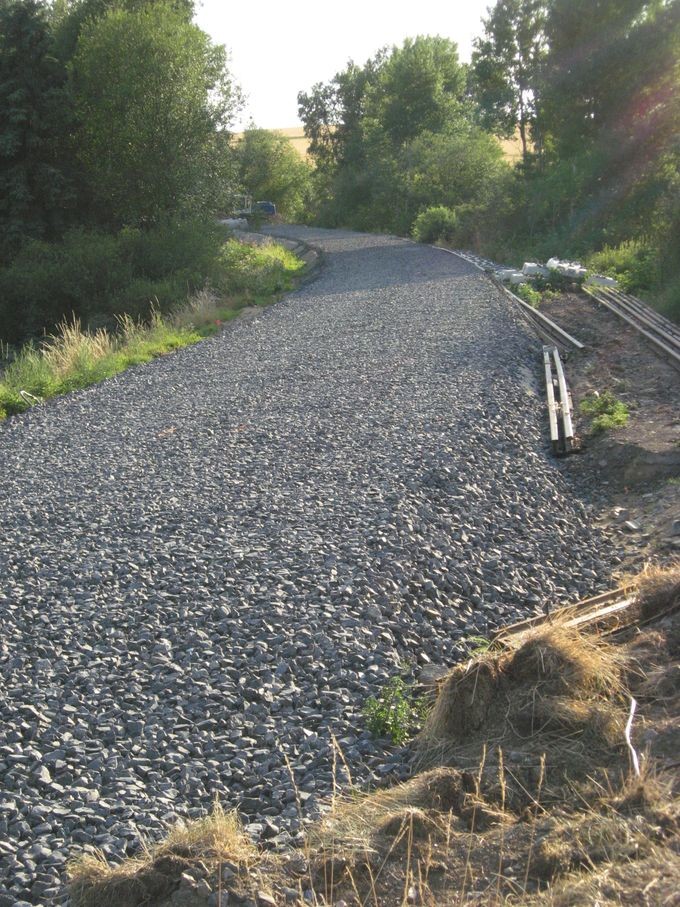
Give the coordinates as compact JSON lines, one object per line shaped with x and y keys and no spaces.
{"x":525,"y":791}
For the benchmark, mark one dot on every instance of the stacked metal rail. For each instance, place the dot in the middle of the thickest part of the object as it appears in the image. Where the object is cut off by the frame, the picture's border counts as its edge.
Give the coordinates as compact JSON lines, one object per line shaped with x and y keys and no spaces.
{"x":662,"y":333}
{"x":560,"y":409}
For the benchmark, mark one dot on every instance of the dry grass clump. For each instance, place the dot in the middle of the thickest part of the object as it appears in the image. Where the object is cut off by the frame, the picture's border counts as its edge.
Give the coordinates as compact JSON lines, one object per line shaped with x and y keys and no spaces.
{"x":72,"y":348}
{"x":155,"y":874}
{"x":649,"y":881}
{"x":588,"y":840}
{"x":555,"y":682}
{"x":657,"y":591}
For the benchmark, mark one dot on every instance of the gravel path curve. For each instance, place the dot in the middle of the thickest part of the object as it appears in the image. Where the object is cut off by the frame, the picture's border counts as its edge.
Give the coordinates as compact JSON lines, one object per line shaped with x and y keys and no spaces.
{"x":208,"y":563}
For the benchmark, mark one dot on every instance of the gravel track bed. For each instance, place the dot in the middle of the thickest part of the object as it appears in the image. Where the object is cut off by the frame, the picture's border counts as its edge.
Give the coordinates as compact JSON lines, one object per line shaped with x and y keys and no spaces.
{"x":209,"y":563}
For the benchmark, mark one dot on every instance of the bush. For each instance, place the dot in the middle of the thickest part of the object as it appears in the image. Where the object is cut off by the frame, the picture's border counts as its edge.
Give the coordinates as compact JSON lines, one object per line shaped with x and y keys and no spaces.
{"x":435,"y":224}
{"x":634,"y":264}
{"x":94,"y":276}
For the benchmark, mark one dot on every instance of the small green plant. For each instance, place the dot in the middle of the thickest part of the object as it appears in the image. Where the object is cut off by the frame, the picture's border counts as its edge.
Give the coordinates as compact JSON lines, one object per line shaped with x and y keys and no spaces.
{"x":605,"y":411}
{"x":477,"y":645}
{"x":395,"y":713}
{"x":529,"y":294}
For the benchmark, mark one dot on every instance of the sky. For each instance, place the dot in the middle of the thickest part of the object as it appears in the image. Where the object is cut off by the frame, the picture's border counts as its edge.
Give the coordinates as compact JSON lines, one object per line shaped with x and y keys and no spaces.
{"x":278,"y":49}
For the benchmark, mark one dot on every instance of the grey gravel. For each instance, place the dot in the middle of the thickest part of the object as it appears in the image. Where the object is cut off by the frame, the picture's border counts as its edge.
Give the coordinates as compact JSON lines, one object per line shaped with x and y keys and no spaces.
{"x":209,"y":563}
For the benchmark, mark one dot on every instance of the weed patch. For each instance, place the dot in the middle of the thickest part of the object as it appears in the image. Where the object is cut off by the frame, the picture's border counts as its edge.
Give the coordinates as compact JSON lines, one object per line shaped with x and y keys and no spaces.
{"x":605,"y":411}
{"x":526,"y":292}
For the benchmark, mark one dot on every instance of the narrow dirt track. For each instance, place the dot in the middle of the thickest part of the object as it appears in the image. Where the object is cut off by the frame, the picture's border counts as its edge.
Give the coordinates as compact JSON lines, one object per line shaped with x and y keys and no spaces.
{"x":209,"y":563}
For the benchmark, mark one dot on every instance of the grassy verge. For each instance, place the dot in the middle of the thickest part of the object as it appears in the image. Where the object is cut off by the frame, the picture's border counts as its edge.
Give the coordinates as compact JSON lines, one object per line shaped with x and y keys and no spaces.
{"x":73,"y":358}
{"x":526,"y":792}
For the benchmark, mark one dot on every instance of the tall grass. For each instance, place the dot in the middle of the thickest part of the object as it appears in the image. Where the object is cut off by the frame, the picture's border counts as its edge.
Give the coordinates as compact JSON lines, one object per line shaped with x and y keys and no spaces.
{"x":73,"y":358}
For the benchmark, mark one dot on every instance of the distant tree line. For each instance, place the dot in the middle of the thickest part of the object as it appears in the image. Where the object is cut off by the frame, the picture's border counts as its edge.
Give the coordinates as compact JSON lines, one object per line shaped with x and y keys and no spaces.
{"x":590,"y":89}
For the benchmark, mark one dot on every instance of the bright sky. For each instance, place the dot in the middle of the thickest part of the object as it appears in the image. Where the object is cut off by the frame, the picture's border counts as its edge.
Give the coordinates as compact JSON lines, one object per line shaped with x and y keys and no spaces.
{"x":278,"y":48}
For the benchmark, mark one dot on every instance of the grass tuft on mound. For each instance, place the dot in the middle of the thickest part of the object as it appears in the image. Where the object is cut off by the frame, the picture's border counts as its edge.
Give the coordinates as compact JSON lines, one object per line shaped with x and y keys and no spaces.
{"x":156,"y":874}
{"x":555,"y":684}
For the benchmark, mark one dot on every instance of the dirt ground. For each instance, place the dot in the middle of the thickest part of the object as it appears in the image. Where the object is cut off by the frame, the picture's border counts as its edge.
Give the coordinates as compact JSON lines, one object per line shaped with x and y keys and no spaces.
{"x":634,"y":472}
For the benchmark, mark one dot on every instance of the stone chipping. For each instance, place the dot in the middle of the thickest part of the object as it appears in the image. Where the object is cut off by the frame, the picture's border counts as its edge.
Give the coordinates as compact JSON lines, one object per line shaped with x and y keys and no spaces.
{"x":209,"y":563}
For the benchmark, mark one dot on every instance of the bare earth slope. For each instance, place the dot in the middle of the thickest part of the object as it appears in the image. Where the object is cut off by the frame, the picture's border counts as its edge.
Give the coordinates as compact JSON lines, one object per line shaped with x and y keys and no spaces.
{"x":209,"y":563}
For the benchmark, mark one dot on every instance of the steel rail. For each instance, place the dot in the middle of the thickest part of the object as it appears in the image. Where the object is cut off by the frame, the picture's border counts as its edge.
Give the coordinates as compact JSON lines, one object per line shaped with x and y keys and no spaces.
{"x":668,"y":345}
{"x":654,"y":317}
{"x":547,"y":323}
{"x":653,"y":320}
{"x":565,"y":404}
{"x":552,"y":405}
{"x":562,"y":435}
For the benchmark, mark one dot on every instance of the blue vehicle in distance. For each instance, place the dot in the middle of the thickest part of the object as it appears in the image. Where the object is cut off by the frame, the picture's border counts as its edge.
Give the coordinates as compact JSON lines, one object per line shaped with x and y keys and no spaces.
{"x":268,"y":209}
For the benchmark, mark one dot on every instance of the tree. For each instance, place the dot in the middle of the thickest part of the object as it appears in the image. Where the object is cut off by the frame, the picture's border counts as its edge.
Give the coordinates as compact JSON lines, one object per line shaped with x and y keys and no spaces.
{"x":419,"y":87}
{"x":360,"y":122}
{"x":152,"y":133}
{"x":34,"y":119}
{"x":69,"y":17}
{"x":270,"y":168}
{"x":506,"y":63}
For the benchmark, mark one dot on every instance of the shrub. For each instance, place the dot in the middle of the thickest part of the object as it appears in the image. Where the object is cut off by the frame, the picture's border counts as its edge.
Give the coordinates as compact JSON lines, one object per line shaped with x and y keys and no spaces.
{"x":435,"y":224}
{"x":95,"y":276}
{"x":634,"y":264}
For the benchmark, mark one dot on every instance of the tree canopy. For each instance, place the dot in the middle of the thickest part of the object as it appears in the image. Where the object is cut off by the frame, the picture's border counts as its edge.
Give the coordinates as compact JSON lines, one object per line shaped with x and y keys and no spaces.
{"x":151,"y":133}
{"x":34,"y":125}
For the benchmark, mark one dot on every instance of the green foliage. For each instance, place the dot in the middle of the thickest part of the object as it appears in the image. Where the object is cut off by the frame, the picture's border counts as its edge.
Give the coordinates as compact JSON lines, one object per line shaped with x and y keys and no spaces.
{"x":633,"y":263}
{"x":435,"y":224}
{"x":34,"y":123}
{"x":605,"y":411}
{"x":270,"y":169}
{"x":417,"y":88}
{"x":395,"y":712}
{"x":371,"y":130}
{"x":529,"y":294}
{"x":95,"y":275}
{"x":506,"y":66}
{"x":150,"y":134}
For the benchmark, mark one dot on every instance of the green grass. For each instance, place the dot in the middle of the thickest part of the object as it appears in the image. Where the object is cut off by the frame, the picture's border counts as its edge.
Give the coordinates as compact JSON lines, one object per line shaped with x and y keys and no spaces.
{"x":73,"y":358}
{"x":605,"y":411}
